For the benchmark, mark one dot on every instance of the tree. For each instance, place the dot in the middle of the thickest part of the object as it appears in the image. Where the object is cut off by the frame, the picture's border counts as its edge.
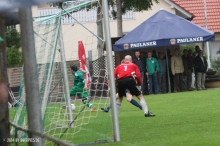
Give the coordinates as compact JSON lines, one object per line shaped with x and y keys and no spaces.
{"x":218,"y":52}
{"x":13,"y":39}
{"x":125,"y":5}
{"x":14,"y":57}
{"x":119,"y":17}
{"x":122,"y":6}
{"x":187,"y":46}
{"x":216,"y":63}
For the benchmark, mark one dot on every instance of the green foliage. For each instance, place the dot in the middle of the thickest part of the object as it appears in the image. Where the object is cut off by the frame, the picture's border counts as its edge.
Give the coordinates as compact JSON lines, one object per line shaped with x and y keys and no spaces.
{"x":188,"y":47}
{"x":136,"y":5}
{"x":59,"y":5}
{"x":218,"y":52}
{"x":216,"y":63}
{"x":13,"y":39}
{"x":14,"y":57}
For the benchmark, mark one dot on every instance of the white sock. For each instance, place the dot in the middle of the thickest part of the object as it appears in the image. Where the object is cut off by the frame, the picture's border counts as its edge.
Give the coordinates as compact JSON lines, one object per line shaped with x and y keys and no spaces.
{"x":118,"y":107}
{"x":144,"y":105}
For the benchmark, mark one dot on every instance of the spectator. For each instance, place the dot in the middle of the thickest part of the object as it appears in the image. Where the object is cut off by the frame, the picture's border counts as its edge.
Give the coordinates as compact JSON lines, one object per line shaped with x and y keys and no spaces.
{"x":147,"y":86}
{"x":200,"y":68}
{"x":193,"y":74}
{"x":151,"y":71}
{"x":143,"y":55}
{"x":195,"y":54}
{"x":154,"y":54}
{"x":170,"y":71}
{"x":140,"y":63}
{"x":188,"y":68}
{"x":177,"y":70}
{"x":162,"y":81}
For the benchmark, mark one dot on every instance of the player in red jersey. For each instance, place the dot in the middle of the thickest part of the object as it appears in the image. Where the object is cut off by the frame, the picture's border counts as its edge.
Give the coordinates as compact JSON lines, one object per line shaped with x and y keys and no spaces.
{"x":124,"y":74}
{"x":128,"y":97}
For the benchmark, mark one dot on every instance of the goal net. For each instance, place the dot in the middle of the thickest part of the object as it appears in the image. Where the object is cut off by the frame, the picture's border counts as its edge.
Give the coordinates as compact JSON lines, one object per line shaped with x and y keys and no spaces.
{"x":56,"y":41}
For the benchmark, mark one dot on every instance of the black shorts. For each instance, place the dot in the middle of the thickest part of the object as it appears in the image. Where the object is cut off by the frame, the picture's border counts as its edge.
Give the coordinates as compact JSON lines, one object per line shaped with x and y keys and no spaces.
{"x":127,"y":83}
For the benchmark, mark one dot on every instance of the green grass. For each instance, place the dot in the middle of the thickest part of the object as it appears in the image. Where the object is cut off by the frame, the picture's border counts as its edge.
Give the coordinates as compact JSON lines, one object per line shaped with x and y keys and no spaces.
{"x":183,"y":119}
{"x":56,"y":121}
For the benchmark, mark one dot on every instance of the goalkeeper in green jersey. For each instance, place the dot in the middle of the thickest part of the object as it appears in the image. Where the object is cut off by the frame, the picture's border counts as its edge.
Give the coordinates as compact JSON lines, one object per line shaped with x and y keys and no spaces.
{"x":80,"y":87}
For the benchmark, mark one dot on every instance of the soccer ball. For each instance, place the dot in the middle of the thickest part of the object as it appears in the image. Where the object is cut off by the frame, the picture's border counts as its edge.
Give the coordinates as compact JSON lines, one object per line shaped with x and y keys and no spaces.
{"x":73,"y":107}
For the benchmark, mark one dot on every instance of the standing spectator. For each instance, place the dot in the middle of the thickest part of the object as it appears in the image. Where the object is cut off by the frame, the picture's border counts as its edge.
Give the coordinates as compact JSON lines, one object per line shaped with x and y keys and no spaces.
{"x":151,"y":71}
{"x":200,"y":68}
{"x":188,"y":68}
{"x":154,"y":54}
{"x":147,"y":83}
{"x":162,"y":81}
{"x":177,"y":70}
{"x":170,"y":71}
{"x":140,"y":63}
{"x":193,"y":74}
{"x":195,"y":54}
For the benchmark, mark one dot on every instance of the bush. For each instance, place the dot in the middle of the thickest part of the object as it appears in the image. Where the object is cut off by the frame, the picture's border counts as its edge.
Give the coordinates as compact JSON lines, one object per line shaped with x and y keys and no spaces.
{"x":188,"y":47}
{"x":13,"y":39}
{"x":216,"y":63}
{"x":14,"y":57}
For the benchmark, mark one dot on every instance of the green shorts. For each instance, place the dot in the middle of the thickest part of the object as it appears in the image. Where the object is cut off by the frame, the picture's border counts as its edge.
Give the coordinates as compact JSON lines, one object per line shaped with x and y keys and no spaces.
{"x":80,"y":91}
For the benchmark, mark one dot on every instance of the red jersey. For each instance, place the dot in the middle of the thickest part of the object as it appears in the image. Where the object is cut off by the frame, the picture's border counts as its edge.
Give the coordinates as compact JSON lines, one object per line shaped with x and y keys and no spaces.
{"x":127,"y":70}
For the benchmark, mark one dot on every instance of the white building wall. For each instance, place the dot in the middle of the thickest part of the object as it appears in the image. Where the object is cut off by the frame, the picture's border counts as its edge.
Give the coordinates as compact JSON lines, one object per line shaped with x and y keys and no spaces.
{"x":131,"y":20}
{"x":72,"y":34}
{"x":214,"y":47}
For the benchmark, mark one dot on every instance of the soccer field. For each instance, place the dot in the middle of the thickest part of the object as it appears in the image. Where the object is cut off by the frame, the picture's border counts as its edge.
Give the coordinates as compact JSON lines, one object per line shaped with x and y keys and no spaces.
{"x":187,"y":118}
{"x":183,"y":119}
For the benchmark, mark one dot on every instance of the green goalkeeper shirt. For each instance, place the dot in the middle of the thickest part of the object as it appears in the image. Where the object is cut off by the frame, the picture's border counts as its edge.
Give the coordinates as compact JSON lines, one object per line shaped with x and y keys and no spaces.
{"x":78,"y":78}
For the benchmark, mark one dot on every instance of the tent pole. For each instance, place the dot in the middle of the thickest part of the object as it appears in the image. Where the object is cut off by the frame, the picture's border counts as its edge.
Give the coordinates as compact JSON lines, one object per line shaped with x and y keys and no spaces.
{"x":168,"y":73}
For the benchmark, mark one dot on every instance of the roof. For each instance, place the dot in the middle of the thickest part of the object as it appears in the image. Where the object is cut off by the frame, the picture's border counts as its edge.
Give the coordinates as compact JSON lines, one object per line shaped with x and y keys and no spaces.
{"x":196,"y":7}
{"x":180,"y":9}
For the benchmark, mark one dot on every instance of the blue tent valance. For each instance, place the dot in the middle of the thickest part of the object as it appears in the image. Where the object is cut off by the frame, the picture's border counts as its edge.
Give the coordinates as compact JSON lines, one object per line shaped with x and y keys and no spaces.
{"x":163,"y":29}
